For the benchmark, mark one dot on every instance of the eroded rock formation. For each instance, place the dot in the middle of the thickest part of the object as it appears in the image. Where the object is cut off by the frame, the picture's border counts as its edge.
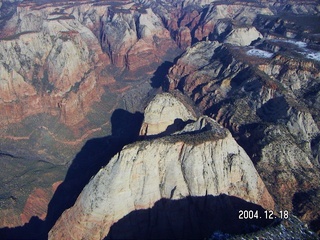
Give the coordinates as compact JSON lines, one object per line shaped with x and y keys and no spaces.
{"x":163,"y":115}
{"x":258,"y":97}
{"x":65,"y":66}
{"x":135,"y":39}
{"x":204,"y":160}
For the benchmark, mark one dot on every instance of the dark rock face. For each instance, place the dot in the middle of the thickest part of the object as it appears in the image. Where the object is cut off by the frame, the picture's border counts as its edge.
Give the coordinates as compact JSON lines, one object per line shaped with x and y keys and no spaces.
{"x":264,"y":109}
{"x":189,"y":218}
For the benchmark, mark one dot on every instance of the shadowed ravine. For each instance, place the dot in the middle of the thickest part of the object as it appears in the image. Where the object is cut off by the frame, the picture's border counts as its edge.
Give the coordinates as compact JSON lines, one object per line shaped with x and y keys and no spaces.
{"x":95,"y":154}
{"x":189,"y":218}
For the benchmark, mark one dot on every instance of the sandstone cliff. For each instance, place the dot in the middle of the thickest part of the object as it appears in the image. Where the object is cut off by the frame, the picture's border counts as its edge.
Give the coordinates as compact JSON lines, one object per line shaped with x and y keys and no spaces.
{"x":65,"y":66}
{"x":134,"y":39}
{"x":52,"y":64}
{"x":205,"y":160}
{"x":189,"y":23}
{"x":259,"y":98}
{"x":162,"y":113}
{"x":57,"y":70}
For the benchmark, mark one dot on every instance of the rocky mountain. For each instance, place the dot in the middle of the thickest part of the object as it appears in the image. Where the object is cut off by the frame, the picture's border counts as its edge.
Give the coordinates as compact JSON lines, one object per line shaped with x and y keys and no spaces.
{"x":164,"y":111}
{"x":262,"y":106}
{"x":59,"y":62}
{"x":62,"y":76}
{"x":202,"y":160}
{"x":134,"y":39}
{"x":75,"y":77}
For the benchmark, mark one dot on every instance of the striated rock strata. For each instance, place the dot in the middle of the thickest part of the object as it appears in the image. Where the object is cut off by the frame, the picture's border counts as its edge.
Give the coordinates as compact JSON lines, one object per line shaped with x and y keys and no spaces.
{"x":134,"y":39}
{"x":203,"y":160}
{"x":163,"y":113}
{"x":268,"y":101}
{"x":64,"y":68}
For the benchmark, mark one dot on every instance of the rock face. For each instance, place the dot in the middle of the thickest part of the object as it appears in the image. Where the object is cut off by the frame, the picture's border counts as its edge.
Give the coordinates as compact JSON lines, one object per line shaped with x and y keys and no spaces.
{"x":261,"y":99}
{"x":191,"y":23}
{"x":205,"y":161}
{"x":133,"y":40}
{"x":162,"y":112}
{"x":65,"y":67}
{"x":36,"y":205}
{"x":243,"y":36}
{"x":59,"y":65}
{"x":48,"y":62}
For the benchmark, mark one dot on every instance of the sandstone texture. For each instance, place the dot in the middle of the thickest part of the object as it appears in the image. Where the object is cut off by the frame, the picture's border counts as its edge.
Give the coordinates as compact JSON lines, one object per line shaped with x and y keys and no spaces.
{"x":133,"y":40}
{"x":74,"y":71}
{"x":209,"y":162}
{"x":46,"y":61}
{"x":190,"y":24}
{"x":162,"y":112}
{"x":260,"y":100}
{"x":62,"y":63}
{"x":243,"y":36}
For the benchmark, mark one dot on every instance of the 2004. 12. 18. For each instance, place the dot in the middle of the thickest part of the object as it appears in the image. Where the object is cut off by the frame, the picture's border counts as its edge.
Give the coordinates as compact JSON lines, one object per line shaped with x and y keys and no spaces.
{"x":268,"y":214}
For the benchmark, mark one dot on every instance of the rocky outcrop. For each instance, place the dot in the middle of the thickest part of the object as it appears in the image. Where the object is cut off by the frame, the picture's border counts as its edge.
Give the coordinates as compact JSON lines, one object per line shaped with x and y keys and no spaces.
{"x":204,"y":160}
{"x":163,"y":114}
{"x":243,"y":36}
{"x":63,"y":66}
{"x":54,"y":61}
{"x":36,"y":205}
{"x":54,"y":73}
{"x":263,"y":103}
{"x":55,"y":77}
{"x":134,"y":39}
{"x":47,"y":60}
{"x":192,"y":24}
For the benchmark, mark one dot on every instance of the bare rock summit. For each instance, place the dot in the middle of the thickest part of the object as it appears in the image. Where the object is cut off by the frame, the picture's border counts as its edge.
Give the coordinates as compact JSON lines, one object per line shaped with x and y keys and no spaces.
{"x":162,"y":112}
{"x":166,"y":182}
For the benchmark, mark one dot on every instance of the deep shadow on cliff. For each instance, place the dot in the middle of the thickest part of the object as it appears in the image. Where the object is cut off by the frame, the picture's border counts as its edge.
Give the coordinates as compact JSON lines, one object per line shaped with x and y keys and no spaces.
{"x":159,"y":76}
{"x":95,"y":154}
{"x":190,"y":218}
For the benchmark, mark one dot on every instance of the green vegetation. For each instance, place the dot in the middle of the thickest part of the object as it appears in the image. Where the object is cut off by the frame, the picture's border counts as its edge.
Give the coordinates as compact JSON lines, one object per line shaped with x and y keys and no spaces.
{"x":192,"y":138}
{"x":101,"y":111}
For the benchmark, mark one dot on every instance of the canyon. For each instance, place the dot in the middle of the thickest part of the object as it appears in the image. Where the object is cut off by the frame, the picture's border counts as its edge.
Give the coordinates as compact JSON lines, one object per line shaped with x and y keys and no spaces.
{"x":122,"y":91}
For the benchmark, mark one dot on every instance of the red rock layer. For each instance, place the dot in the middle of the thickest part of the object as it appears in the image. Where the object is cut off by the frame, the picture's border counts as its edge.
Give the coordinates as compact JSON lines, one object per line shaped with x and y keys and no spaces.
{"x":36,"y":205}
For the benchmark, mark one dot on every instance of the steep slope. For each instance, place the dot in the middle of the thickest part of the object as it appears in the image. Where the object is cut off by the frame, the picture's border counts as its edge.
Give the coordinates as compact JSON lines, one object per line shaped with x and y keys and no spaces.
{"x":60,"y":84}
{"x":232,"y":21}
{"x":163,"y":115}
{"x":61,"y":61}
{"x":262,"y":97}
{"x":66,"y":66}
{"x":205,"y":160}
{"x":135,"y":39}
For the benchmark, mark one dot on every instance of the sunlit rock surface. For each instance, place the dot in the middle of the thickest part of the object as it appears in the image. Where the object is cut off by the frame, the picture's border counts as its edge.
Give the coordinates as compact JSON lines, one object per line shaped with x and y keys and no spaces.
{"x":202,"y":161}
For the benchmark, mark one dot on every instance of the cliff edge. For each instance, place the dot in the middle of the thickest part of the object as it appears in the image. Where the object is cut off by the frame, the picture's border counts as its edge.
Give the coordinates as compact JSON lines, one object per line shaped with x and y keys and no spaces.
{"x":202,"y":160}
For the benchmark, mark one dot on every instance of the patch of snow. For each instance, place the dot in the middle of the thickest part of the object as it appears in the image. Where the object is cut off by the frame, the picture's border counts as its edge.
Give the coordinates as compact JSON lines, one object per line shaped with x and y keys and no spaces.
{"x":308,"y":53}
{"x":297,"y":43}
{"x":259,"y":53}
{"x":314,"y":56}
